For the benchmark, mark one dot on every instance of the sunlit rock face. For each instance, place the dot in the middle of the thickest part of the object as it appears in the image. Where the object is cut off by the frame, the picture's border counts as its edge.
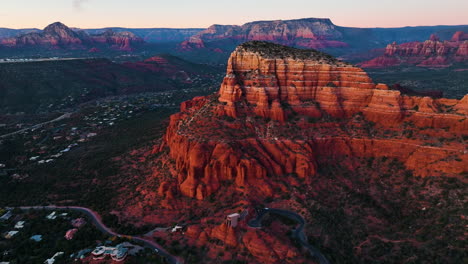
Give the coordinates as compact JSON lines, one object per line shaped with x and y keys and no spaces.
{"x":255,"y":135}
{"x":316,"y":33}
{"x":430,"y":53}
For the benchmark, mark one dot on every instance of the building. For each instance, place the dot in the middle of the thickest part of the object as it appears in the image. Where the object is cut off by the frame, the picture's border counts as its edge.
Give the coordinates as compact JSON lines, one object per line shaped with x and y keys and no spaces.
{"x":37,"y":238}
{"x":232,"y":220}
{"x":52,"y":216}
{"x":11,"y":234}
{"x":70,"y":233}
{"x":176,"y":228}
{"x":52,"y":260}
{"x":19,"y":225}
{"x":78,"y":222}
{"x":118,"y":253}
{"x":6,"y":216}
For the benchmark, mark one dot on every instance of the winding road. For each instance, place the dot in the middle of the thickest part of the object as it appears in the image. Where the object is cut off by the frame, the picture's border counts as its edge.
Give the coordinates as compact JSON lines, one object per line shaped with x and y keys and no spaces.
{"x":64,"y":116}
{"x":96,"y":220}
{"x":298,"y":232}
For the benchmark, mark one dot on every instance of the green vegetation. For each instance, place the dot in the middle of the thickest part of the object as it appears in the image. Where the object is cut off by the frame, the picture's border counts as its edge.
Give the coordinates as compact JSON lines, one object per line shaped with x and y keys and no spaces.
{"x":54,"y":85}
{"x":271,"y":50}
{"x":453,"y":83}
{"x":83,"y":176}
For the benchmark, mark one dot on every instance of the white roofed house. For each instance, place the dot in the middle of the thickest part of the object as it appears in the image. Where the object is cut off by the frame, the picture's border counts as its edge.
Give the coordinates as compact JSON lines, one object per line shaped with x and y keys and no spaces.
{"x":19,"y":224}
{"x":232,"y":219}
{"x":52,"y":216}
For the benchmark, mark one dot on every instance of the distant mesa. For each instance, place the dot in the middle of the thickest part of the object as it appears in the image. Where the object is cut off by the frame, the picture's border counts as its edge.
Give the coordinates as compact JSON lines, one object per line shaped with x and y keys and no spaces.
{"x":431,"y":53}
{"x":314,"y":33}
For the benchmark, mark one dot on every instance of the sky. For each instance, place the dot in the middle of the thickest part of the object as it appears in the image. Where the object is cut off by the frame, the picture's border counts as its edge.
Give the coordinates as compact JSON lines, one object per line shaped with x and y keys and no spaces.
{"x":203,"y":13}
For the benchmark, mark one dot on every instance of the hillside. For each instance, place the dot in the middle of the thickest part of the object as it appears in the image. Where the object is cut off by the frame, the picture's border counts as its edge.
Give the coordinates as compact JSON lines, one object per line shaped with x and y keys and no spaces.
{"x":45,"y":86}
{"x":362,"y":163}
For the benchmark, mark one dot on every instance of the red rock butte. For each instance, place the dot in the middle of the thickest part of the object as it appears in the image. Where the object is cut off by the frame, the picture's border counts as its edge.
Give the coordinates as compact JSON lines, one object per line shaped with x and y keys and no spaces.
{"x":281,"y":111}
{"x":430,"y":53}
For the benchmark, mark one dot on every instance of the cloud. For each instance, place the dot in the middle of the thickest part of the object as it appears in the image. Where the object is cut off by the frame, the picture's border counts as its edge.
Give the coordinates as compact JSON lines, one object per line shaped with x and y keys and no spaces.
{"x":78,"y":4}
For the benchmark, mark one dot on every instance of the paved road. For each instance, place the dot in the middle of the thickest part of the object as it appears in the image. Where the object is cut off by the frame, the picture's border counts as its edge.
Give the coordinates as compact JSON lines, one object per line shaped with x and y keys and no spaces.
{"x":96,"y":220}
{"x":298,"y":232}
{"x":66,"y":115}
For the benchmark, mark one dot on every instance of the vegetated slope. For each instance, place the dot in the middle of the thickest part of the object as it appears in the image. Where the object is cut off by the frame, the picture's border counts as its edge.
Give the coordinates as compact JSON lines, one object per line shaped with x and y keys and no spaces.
{"x":378,"y":174}
{"x":48,"y":85}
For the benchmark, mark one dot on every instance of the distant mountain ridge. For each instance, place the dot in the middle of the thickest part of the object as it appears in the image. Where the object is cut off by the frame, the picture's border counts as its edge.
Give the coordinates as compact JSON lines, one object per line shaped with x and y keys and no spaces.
{"x":150,"y":35}
{"x":58,"y":35}
{"x":430,"y":53}
{"x":153,"y":35}
{"x":307,"y":33}
{"x":317,"y":33}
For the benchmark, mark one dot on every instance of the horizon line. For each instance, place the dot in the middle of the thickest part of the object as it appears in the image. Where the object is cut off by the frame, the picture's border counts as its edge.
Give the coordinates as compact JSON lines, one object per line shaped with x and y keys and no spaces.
{"x":214,"y":24}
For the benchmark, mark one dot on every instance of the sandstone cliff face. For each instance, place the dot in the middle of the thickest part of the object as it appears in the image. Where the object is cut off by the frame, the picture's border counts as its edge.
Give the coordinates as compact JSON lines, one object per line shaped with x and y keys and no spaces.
{"x":431,"y":53}
{"x":220,"y":140}
{"x":308,"y":33}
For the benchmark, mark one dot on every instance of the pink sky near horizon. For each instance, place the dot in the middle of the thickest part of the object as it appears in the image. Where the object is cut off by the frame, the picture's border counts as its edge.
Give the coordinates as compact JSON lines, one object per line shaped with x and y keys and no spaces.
{"x":203,"y":13}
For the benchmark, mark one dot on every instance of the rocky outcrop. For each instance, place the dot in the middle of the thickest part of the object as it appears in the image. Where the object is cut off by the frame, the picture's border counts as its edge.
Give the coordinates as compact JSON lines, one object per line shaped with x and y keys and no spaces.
{"x":54,"y":35}
{"x":308,"y":33}
{"x":58,"y":35}
{"x":118,"y":40}
{"x":431,"y":53}
{"x":255,"y":134}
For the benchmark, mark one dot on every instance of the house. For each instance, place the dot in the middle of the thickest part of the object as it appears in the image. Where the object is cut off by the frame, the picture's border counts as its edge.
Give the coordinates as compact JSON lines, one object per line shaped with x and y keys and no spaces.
{"x":6,"y":216}
{"x":52,"y":216}
{"x":176,"y":228}
{"x":52,"y":260}
{"x":232,"y":220}
{"x":19,"y":225}
{"x":70,"y":233}
{"x":91,"y":135}
{"x":118,"y":253}
{"x":78,"y":222}
{"x":11,"y":234}
{"x":36,"y":238}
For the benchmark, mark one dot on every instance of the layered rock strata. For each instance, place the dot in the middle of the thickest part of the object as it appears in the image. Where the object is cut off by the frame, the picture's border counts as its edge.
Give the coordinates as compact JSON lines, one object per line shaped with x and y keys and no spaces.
{"x":257,"y":132}
{"x":430,"y":53}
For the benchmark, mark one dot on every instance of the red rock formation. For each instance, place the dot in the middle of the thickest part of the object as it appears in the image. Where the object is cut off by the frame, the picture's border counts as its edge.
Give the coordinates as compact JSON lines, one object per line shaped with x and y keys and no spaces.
{"x":431,"y":53}
{"x":273,"y":82}
{"x":118,"y":40}
{"x":460,"y":36}
{"x":268,"y":249}
{"x":308,"y":33}
{"x":57,"y":35}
